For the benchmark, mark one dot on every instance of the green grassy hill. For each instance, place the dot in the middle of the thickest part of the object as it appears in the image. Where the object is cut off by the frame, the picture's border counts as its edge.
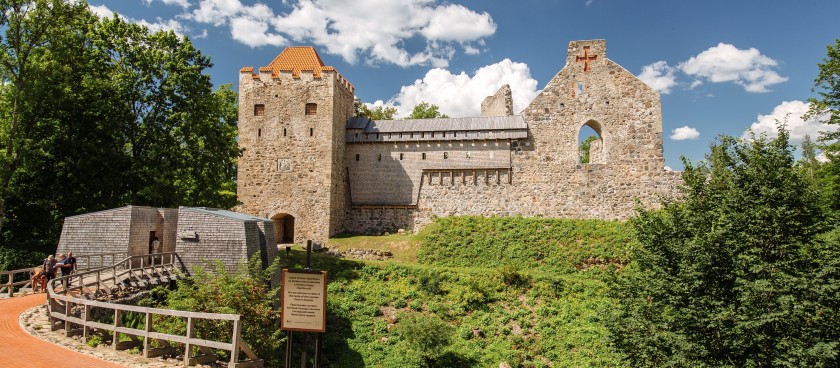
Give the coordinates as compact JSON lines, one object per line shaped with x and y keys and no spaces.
{"x":529,"y":292}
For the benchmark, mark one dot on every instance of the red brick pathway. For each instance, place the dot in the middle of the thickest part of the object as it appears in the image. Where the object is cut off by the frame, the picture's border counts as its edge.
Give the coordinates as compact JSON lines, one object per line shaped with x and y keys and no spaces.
{"x":19,"y":349}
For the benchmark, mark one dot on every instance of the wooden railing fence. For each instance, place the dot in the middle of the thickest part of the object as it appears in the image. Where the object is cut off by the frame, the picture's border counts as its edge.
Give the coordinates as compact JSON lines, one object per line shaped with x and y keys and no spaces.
{"x":20,"y":279}
{"x":69,"y":309}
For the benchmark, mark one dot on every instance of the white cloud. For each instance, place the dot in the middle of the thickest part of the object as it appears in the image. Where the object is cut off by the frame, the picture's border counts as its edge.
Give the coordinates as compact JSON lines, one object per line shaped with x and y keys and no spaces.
{"x":182,"y":3}
{"x":163,"y":25}
{"x":460,"y":95}
{"x":790,"y":113}
{"x":659,"y":76}
{"x":101,"y":11}
{"x":216,"y":12}
{"x":348,"y":29}
{"x":251,"y":31}
{"x":457,"y":23}
{"x":176,"y":26}
{"x":685,"y":133}
{"x":821,"y":157}
{"x":726,"y":63}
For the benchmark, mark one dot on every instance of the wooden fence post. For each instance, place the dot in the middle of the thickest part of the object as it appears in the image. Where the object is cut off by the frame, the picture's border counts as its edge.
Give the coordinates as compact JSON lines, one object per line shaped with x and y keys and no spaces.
{"x":188,"y":345}
{"x":10,"y":288}
{"x":234,"y":350}
{"x":146,"y":346}
{"x":117,"y":323}
{"x":85,"y":328}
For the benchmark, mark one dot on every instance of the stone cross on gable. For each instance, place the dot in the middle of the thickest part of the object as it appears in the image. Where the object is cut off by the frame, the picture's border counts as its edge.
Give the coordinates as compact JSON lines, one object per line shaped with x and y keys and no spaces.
{"x":586,"y":58}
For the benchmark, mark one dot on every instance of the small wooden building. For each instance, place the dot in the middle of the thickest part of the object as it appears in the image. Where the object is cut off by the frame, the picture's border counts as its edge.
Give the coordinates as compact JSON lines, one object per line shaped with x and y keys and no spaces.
{"x":198,"y":234}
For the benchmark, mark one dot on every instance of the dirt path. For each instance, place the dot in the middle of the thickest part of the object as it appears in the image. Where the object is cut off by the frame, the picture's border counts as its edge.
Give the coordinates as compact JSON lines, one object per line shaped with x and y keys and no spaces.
{"x":19,"y":349}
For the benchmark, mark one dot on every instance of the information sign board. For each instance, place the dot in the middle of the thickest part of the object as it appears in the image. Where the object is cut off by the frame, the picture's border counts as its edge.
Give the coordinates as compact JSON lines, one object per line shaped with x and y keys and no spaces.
{"x":304,"y":301}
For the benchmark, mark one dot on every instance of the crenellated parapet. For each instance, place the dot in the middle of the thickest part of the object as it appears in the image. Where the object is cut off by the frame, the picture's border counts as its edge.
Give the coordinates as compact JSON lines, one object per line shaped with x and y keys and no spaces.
{"x":296,"y":63}
{"x":266,"y":75}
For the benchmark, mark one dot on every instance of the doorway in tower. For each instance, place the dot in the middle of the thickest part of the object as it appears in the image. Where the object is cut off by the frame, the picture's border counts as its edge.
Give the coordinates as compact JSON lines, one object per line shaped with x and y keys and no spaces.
{"x":284,"y":228}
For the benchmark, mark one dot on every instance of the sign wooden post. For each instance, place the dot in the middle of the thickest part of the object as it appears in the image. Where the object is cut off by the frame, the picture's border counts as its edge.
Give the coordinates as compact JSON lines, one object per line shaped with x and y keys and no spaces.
{"x":304,"y":305}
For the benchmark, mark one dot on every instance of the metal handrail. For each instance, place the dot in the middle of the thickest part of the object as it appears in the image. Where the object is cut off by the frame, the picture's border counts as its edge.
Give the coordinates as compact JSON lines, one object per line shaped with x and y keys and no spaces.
{"x":61,"y":301}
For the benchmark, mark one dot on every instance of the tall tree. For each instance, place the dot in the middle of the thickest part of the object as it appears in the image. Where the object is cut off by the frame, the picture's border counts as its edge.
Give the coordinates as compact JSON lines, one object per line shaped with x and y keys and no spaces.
{"x":827,"y":86}
{"x":739,"y":272}
{"x":377,"y":113}
{"x":424,"y":110}
{"x":29,"y":26}
{"x":109,"y":114}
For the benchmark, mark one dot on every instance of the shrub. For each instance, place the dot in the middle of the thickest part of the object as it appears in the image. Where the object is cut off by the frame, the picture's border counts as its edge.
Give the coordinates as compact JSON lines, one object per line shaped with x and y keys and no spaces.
{"x":512,"y":277}
{"x":426,"y":335}
{"x":93,"y":341}
{"x":246,"y":292}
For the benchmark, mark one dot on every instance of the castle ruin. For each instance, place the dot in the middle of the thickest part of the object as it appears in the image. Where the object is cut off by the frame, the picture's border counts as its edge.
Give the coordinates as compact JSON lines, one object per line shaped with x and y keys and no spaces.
{"x":316,"y":170}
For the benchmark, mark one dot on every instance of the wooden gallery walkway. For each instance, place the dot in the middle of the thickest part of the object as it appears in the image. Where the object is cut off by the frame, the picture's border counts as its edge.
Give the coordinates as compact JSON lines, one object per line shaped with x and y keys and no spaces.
{"x":19,"y":349}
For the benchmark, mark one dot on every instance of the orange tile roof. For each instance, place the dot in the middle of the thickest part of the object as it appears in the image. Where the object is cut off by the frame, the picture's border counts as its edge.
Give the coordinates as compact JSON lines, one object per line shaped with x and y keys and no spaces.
{"x":296,"y":59}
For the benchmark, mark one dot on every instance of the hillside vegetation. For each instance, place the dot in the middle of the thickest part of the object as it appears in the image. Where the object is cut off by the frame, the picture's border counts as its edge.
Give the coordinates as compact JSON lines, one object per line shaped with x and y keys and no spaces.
{"x":529,"y":292}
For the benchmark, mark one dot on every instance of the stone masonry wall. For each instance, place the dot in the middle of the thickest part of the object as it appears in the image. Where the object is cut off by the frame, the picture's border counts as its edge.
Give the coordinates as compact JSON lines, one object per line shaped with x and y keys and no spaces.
{"x":538,"y":176}
{"x":343,"y":109}
{"x":546,"y":177}
{"x":391,"y":173}
{"x":499,"y":104}
{"x":374,"y":221}
{"x":292,"y":162}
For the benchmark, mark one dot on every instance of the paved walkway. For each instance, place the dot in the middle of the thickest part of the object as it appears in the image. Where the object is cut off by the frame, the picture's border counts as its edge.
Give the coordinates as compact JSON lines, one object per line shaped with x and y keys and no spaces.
{"x":19,"y":349}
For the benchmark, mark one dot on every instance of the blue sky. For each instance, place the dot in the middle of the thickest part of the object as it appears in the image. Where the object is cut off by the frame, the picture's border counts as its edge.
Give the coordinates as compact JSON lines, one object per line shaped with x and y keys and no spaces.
{"x":722,"y":67}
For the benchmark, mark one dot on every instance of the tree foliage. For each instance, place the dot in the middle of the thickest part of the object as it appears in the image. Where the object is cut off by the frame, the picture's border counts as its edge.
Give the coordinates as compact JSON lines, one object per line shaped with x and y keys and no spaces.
{"x":585,"y":147}
{"x":246,"y":291}
{"x":380,"y":112}
{"x":827,"y":86}
{"x":739,"y":273}
{"x":424,"y":110}
{"x":100,"y":113}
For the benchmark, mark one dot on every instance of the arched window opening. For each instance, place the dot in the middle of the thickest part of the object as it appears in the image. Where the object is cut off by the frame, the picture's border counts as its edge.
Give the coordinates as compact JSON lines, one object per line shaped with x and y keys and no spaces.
{"x":590,"y":144}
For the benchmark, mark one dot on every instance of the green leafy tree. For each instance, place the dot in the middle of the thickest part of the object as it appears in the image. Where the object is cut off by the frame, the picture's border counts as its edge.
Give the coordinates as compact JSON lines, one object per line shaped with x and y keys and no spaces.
{"x":28,"y":27}
{"x":180,"y":135}
{"x":424,"y":110}
{"x":377,"y":113}
{"x":827,"y":86}
{"x":738,"y":273}
{"x":584,"y":148}
{"x":103,"y":113}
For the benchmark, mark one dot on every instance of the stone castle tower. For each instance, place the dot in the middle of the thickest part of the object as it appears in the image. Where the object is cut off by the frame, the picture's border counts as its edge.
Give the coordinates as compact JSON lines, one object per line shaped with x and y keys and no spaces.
{"x":317,"y":171}
{"x":292,"y":118}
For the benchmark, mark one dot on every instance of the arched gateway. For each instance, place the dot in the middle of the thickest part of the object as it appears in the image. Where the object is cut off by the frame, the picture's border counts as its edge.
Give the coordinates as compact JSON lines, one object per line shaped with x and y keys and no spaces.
{"x":284,"y":228}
